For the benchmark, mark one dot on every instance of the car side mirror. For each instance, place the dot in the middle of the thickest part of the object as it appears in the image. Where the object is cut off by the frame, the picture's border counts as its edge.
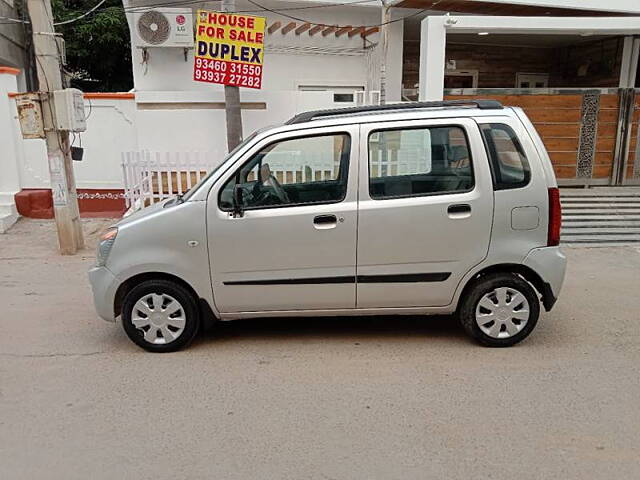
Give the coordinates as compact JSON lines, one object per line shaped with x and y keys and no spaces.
{"x":238,"y":201}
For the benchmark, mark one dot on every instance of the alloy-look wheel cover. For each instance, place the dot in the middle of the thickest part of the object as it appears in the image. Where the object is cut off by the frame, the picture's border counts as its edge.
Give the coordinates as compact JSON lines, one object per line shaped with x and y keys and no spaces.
{"x":502,"y":312}
{"x":159,"y":317}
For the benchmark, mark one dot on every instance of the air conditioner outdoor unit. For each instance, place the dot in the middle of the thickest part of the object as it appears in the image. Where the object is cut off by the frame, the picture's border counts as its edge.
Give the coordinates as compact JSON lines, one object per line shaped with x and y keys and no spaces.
{"x":164,"y":27}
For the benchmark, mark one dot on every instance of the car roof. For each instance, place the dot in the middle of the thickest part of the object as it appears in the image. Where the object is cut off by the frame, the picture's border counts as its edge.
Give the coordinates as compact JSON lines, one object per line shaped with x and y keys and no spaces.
{"x":394,"y":107}
{"x":393,"y":112}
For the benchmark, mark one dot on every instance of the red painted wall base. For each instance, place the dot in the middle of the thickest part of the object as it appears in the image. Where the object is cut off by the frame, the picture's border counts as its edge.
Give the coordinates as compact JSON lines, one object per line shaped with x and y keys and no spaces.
{"x":38,"y":203}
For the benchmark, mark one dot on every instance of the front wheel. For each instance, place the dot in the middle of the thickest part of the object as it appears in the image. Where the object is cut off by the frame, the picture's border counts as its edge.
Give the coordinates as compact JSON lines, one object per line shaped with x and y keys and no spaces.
{"x":160,"y":316}
{"x":500,"y":310}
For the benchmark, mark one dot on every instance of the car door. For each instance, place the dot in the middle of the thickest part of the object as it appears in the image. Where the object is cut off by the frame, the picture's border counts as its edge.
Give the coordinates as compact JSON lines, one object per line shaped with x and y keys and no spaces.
{"x":294,"y":245}
{"x":425,"y":211}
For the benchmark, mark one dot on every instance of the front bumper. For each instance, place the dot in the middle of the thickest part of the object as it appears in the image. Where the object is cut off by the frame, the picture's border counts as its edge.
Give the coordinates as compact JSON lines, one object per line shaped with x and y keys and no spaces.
{"x":104,"y":285}
{"x":550,"y":263}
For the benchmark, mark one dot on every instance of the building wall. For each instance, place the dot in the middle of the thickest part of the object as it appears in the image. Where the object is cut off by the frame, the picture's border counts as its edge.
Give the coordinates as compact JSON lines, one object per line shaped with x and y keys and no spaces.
{"x":12,"y":40}
{"x":10,"y":141}
{"x":289,"y":60}
{"x":592,"y":64}
{"x":116,"y":123}
{"x":175,"y":112}
{"x":498,"y":64}
{"x":111,"y":129}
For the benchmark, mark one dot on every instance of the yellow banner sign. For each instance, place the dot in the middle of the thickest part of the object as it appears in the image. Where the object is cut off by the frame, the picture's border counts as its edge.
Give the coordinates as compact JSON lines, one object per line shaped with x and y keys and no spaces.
{"x":229,"y":49}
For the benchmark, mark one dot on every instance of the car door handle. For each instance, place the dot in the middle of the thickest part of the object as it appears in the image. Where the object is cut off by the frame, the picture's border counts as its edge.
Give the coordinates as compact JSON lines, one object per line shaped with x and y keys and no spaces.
{"x":459,"y":210}
{"x":323,"y":222}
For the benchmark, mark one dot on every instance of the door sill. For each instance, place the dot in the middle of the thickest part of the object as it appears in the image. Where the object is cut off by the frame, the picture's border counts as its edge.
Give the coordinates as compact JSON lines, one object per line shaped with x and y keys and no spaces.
{"x":339,"y":312}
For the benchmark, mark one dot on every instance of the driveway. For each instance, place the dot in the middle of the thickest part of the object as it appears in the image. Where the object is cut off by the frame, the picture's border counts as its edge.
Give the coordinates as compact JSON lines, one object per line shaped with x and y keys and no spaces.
{"x":339,"y":398}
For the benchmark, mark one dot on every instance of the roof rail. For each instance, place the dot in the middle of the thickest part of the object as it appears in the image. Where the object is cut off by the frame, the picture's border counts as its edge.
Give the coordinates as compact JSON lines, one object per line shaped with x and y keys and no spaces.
{"x":315,"y":114}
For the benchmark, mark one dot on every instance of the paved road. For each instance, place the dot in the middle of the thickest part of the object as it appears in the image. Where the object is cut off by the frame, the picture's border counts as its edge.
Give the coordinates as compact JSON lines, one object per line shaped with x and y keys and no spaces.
{"x":382,"y":398}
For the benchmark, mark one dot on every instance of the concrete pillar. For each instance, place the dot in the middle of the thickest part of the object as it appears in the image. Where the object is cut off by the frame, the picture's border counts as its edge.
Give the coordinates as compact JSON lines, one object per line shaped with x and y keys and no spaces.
{"x":394,"y":61}
{"x":433,"y":42}
{"x":629,"y":67}
{"x":9,"y":170}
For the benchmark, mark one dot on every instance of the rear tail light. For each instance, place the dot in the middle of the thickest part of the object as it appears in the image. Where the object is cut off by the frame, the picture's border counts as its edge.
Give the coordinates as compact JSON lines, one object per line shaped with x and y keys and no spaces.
{"x":555,"y":217}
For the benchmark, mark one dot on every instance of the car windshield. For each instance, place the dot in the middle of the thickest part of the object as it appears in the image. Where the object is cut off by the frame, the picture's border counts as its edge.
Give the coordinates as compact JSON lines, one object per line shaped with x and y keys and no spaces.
{"x":195,"y":188}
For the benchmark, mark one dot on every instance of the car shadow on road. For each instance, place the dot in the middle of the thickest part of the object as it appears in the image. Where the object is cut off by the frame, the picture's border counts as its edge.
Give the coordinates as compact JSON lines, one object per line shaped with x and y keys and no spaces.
{"x":361,"y":328}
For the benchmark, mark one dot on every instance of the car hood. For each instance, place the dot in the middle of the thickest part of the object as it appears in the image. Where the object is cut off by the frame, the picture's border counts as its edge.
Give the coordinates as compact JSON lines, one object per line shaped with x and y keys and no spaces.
{"x":145,"y":212}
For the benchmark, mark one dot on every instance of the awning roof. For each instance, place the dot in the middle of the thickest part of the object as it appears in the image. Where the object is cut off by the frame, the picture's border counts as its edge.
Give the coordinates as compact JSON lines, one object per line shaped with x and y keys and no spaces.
{"x":494,"y":8}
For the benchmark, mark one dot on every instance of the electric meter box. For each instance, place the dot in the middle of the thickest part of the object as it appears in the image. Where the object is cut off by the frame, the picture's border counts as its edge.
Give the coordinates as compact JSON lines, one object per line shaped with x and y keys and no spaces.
{"x":69,"y":105}
{"x":30,"y":115}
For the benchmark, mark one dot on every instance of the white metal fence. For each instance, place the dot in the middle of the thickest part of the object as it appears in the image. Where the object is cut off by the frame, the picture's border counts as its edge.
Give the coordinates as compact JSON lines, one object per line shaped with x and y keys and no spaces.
{"x":398,"y":162}
{"x":151,"y":177}
{"x":302,"y":166}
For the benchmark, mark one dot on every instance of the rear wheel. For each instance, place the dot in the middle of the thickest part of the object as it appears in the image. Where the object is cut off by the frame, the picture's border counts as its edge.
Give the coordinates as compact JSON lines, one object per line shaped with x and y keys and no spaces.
{"x":500,"y":310}
{"x":160,"y":316}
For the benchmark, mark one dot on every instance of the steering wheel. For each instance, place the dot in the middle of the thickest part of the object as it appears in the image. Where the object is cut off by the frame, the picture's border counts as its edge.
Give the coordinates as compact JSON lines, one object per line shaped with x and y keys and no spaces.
{"x":279,"y":191}
{"x":267,"y":178}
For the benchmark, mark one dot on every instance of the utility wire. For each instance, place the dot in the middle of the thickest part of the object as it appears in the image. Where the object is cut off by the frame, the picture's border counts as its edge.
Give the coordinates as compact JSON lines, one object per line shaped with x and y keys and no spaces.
{"x":283,"y":9}
{"x":12,"y":20}
{"x":81,"y":16}
{"x":64,"y":22}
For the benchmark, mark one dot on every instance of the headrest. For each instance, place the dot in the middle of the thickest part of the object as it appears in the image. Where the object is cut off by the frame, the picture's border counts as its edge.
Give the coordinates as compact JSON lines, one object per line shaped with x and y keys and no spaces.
{"x":265,"y":172}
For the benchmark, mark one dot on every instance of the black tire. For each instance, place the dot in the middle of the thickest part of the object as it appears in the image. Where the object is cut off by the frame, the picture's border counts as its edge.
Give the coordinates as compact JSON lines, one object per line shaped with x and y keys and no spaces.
{"x":486,"y":284}
{"x":161,"y":287}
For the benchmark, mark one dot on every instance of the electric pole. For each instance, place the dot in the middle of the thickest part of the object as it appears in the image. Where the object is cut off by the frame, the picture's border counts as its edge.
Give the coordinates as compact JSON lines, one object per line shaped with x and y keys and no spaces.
{"x":63,"y":184}
{"x":232,"y":100}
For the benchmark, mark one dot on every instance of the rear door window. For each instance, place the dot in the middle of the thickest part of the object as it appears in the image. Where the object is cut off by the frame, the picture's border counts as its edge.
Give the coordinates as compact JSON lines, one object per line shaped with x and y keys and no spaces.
{"x":419,"y":161}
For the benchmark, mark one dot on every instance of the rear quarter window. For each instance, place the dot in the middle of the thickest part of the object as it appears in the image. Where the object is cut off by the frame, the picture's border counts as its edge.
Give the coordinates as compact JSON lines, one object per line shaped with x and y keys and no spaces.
{"x":509,"y":163}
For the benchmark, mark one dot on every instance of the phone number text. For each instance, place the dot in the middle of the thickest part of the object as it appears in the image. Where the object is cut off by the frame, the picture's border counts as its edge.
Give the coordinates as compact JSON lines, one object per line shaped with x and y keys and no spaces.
{"x":227,"y":73}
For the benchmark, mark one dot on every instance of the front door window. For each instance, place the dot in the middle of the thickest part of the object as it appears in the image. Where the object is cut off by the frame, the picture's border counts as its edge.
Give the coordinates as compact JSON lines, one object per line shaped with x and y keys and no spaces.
{"x":298,"y":171}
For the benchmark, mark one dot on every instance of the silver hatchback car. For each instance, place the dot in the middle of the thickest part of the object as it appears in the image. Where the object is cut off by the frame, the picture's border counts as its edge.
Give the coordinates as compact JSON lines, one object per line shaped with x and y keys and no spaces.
{"x":419,"y":209}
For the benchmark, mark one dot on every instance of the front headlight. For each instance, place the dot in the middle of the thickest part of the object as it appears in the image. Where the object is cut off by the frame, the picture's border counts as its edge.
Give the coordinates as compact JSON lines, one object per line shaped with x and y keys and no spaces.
{"x":104,"y":247}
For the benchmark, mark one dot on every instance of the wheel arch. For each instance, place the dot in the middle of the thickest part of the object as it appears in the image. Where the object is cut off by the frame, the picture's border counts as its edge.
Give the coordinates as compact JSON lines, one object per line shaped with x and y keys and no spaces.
{"x":527,"y":273}
{"x":207,"y":317}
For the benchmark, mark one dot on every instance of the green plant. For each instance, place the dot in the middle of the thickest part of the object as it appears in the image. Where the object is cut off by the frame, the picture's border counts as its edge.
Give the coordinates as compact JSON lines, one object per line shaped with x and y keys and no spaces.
{"x":98,"y":47}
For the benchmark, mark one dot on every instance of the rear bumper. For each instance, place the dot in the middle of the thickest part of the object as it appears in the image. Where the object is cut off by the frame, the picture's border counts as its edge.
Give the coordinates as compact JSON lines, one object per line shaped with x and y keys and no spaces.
{"x":104,"y":285}
{"x":548,"y":299}
{"x":551,"y":264}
